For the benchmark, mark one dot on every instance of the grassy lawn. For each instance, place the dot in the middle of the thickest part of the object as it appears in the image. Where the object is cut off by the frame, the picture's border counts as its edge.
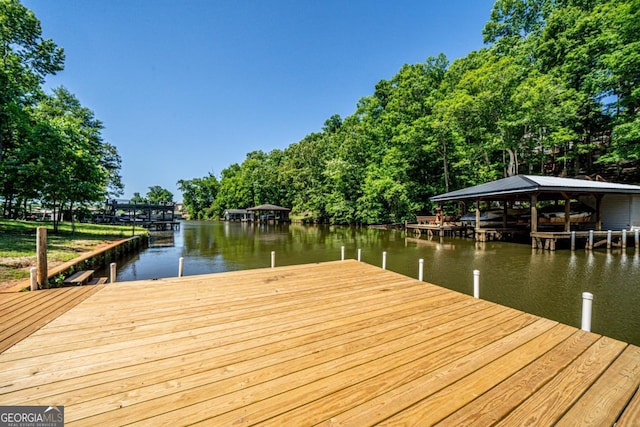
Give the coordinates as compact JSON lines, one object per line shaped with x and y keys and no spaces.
{"x":18,"y":244}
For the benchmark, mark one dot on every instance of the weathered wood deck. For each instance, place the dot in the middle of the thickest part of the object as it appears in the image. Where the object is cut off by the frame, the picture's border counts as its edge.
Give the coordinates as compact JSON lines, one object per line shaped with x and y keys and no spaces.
{"x":438,"y":229}
{"x":332,"y":343}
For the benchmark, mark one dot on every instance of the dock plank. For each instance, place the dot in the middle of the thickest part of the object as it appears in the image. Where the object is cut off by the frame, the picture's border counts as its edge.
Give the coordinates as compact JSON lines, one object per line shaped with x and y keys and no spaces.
{"x":403,"y":397}
{"x":24,"y":313}
{"x":549,"y":404}
{"x":631,"y":414}
{"x":602,"y":403}
{"x":493,"y":405}
{"x":281,"y":395}
{"x":438,"y":406}
{"x":289,"y":346}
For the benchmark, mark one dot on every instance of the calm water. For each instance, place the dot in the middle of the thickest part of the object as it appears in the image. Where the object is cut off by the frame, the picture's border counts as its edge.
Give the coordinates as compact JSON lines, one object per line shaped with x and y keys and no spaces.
{"x":548,"y":284}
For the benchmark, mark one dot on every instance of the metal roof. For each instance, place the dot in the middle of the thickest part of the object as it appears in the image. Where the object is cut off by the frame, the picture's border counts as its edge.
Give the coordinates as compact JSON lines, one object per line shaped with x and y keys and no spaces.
{"x":269,"y":208}
{"x":527,"y":184}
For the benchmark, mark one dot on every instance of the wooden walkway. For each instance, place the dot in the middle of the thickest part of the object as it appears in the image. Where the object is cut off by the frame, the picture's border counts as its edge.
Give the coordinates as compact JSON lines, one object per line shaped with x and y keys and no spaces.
{"x":339,"y":343}
{"x":439,"y":230}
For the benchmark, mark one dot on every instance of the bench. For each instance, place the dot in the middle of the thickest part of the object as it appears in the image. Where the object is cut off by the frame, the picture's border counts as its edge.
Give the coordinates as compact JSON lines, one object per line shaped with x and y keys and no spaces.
{"x":98,"y":281}
{"x":79,"y":278}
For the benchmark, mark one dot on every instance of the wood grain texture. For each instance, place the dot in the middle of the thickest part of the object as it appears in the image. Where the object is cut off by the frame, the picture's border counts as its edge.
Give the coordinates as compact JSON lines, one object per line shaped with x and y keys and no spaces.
{"x":332,"y":343}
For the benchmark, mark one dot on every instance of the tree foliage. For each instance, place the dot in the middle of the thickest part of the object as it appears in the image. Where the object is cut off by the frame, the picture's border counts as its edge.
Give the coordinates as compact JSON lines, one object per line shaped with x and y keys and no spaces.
{"x":51,"y":147}
{"x":556,"y":91}
{"x":157,"y":194}
{"x":198,"y":195}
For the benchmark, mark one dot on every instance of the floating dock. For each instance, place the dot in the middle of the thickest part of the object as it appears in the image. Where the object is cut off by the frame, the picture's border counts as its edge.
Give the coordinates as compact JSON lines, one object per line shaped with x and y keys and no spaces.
{"x":336,"y":343}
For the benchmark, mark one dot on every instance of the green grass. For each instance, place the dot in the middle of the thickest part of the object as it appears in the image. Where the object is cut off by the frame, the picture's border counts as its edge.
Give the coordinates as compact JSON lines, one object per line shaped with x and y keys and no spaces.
{"x":18,"y":243}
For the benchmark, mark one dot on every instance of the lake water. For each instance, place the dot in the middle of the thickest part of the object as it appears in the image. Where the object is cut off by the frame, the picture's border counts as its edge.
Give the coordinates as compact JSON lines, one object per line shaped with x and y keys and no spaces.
{"x":548,"y":284}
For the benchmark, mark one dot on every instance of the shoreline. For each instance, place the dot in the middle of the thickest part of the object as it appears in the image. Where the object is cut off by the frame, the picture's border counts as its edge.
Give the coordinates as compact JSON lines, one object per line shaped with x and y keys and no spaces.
{"x":60,"y":267}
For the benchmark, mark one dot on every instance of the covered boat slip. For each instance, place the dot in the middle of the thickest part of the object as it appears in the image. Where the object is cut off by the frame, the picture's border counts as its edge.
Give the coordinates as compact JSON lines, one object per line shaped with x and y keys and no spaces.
{"x":337,"y":343}
{"x":551,"y":213}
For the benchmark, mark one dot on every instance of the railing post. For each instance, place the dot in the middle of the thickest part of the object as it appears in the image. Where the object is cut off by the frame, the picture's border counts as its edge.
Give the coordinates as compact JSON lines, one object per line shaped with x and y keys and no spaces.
{"x":421,"y":269}
{"x":342,"y":253}
{"x":181,"y":267}
{"x":112,"y":272}
{"x":384,"y":260}
{"x":476,"y":283}
{"x":359,"y":255}
{"x":273,"y":259}
{"x":33,"y":276}
{"x":587,"y":305}
{"x":41,"y":248}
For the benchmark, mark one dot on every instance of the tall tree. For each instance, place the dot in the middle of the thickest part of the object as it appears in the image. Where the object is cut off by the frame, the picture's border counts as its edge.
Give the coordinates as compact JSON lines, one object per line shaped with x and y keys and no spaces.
{"x":25,"y":59}
{"x":198,"y":195}
{"x":157,"y":194}
{"x":68,"y":148}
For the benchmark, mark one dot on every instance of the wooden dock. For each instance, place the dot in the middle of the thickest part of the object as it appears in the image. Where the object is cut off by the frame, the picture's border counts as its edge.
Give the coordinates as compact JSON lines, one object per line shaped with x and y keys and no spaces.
{"x":338,"y":343}
{"x":162,"y":225}
{"x":439,"y":230}
{"x":614,"y":239}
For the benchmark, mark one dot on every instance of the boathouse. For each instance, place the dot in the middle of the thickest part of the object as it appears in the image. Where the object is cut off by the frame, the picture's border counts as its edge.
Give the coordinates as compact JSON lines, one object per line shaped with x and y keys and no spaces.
{"x":158,"y":216}
{"x":265,"y":213}
{"x":237,"y":215}
{"x":550,"y":200}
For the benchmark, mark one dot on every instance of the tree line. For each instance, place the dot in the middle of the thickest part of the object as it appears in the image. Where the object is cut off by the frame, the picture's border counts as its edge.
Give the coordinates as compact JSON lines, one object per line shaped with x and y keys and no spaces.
{"x":555,"y":91}
{"x":51,"y":147}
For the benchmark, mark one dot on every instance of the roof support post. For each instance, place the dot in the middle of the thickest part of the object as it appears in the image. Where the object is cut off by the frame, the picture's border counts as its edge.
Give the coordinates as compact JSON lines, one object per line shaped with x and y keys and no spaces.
{"x":598,"y":211}
{"x":504,"y":214}
{"x":477,"y":214}
{"x":567,"y":211}
{"x":534,"y":212}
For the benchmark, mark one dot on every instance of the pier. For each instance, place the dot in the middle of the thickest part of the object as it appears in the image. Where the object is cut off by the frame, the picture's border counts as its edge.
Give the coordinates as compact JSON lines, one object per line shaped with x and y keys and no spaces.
{"x":340,"y":343}
{"x":590,"y":239}
{"x":437,"y":225}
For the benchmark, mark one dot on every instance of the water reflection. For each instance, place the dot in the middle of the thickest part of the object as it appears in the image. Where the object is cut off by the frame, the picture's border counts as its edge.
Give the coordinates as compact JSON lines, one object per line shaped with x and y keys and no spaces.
{"x":545,"y":283}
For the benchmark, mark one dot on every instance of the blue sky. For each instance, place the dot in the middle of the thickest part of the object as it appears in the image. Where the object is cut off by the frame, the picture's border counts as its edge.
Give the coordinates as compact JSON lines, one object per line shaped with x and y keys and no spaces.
{"x":185,"y":88}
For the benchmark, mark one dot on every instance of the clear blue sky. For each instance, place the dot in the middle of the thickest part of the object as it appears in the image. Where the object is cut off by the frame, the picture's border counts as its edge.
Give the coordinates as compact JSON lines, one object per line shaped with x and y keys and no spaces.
{"x":189,"y":87}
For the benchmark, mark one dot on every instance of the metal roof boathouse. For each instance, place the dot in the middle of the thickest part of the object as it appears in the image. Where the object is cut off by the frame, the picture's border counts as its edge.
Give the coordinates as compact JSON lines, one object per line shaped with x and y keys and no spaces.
{"x":273,"y":213}
{"x":612,"y":206}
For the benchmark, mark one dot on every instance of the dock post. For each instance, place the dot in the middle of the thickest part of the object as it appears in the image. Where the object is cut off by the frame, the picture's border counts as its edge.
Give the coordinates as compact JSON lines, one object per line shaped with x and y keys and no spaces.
{"x":342,"y":253}
{"x":41,"y":251}
{"x":590,"y":240}
{"x":421,"y":269}
{"x":587,"y":305}
{"x":273,"y":259}
{"x":112,"y":272}
{"x":359,"y":255}
{"x":623,"y":241}
{"x":384,"y":260}
{"x":33,"y":276}
{"x":476,"y":283}
{"x":573,"y":241}
{"x":608,"y":239}
{"x":637,"y":238}
{"x":180,"y":267}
